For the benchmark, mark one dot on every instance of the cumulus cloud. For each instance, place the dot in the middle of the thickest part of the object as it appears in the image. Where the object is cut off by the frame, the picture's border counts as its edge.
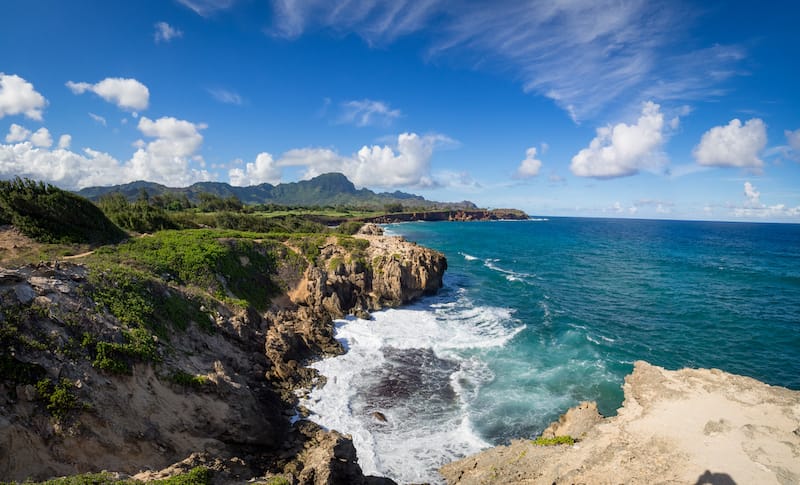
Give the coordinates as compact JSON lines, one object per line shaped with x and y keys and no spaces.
{"x":126,"y":93}
{"x":166,"y":159}
{"x":17,"y":133}
{"x":406,"y":164}
{"x":733,"y":145}
{"x":42,"y":138}
{"x":165,"y":32}
{"x":530,"y":166}
{"x":226,"y":96}
{"x":63,"y":167}
{"x":623,"y":149}
{"x":264,"y":169}
{"x":18,"y":96}
{"x":64,"y":141}
{"x":751,"y":193}
{"x":368,"y":112}
{"x":754,"y":208}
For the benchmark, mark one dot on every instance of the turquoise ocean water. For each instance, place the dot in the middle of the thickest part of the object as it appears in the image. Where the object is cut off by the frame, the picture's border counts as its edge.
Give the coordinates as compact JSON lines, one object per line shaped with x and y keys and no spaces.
{"x":539,"y":315}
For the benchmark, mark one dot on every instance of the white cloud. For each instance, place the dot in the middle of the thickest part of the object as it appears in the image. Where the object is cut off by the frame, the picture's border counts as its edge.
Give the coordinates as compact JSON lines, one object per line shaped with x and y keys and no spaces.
{"x":226,"y":96}
{"x":584,"y":55}
{"x":793,"y":138}
{"x":126,"y":93}
{"x":733,"y":145}
{"x":405,"y":165}
{"x":205,"y":8}
{"x":763,"y":211}
{"x":167,"y":159}
{"x":367,"y":112}
{"x":623,"y":149}
{"x":17,"y":133}
{"x":41,"y":138}
{"x":17,"y":96}
{"x":64,"y":141}
{"x":98,"y":118}
{"x":264,"y":169}
{"x":751,"y":193}
{"x":530,"y":166}
{"x":63,"y":167}
{"x":165,"y":32}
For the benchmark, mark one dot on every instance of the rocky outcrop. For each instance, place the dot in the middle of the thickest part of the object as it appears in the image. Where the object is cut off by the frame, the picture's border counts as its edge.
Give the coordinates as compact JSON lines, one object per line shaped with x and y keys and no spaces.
{"x":450,"y":215}
{"x":378,"y":272}
{"x":685,"y":426}
{"x":220,"y":398}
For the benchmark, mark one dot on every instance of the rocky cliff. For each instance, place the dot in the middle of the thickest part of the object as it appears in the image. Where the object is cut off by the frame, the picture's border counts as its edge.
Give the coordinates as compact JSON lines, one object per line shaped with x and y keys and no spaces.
{"x":83,"y":389}
{"x":687,"y":426}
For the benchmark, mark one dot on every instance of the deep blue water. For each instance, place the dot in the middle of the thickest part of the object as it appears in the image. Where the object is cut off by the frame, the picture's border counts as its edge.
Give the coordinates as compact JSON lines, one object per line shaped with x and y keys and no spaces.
{"x":539,"y":315}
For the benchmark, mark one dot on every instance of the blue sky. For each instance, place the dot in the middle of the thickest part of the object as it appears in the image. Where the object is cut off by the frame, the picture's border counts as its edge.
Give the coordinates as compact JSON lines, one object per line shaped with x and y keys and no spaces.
{"x":684,"y":110}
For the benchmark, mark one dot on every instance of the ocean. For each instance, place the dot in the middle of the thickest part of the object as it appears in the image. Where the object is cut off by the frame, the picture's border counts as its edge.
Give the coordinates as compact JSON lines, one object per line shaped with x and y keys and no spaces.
{"x":538,"y":315}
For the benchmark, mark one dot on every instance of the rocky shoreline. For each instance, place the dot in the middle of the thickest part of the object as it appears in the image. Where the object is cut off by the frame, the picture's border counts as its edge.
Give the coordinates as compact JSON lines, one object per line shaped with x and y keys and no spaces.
{"x":234,"y":414}
{"x":451,"y":215}
{"x":687,"y":426}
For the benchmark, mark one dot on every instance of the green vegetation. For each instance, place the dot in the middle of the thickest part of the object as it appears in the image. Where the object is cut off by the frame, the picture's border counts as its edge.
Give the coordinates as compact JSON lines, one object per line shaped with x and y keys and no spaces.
{"x":117,"y":357}
{"x":59,"y":397}
{"x":349,"y":228}
{"x":189,"y":380}
{"x":197,"y":258}
{"x":558,"y":440}
{"x":278,"y":481}
{"x":50,"y":215}
{"x":139,"y":216}
{"x":196,"y":476}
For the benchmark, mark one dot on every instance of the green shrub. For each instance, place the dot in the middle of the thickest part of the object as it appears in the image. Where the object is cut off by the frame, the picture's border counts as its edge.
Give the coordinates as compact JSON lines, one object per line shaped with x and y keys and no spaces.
{"x":189,"y":380}
{"x":558,"y":440}
{"x":51,"y":215}
{"x":349,"y":227}
{"x":59,"y":398}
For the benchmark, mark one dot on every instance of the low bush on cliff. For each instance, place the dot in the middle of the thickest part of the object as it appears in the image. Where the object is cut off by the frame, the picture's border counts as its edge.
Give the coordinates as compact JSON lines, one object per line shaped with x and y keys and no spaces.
{"x":50,"y":215}
{"x":196,"y":476}
{"x":227,"y":264}
{"x":558,"y":440}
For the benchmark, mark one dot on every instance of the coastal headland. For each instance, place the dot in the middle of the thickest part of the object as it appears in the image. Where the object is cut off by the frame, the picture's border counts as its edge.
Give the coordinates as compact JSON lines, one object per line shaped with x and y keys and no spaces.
{"x":95,"y":379}
{"x":701,"y":426}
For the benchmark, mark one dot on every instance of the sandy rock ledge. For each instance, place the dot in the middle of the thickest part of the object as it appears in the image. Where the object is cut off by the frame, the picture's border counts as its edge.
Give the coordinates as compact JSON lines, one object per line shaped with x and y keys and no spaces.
{"x":686,"y":426}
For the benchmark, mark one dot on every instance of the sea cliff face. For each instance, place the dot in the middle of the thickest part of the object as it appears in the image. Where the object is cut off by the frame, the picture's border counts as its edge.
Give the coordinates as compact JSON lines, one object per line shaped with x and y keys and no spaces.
{"x":685,"y":426}
{"x":219,"y":396}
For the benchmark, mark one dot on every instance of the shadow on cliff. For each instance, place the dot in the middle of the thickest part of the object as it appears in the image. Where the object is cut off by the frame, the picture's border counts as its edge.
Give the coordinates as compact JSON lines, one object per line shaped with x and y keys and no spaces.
{"x":714,"y":479}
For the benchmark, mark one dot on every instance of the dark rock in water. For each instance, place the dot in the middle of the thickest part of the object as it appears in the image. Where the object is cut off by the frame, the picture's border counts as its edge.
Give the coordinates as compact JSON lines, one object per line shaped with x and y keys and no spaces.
{"x":379,"y":416}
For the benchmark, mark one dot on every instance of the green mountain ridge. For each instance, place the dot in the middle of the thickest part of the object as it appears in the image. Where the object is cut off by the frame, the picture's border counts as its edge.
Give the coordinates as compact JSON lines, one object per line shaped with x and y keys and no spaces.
{"x":330,"y":189}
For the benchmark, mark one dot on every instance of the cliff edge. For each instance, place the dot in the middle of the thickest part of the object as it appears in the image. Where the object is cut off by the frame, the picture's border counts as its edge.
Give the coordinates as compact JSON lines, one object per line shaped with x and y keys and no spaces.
{"x":686,"y":426}
{"x":183,"y":348}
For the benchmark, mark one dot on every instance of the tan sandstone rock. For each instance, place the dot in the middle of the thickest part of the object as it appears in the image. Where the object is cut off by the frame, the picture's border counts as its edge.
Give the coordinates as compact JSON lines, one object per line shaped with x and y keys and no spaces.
{"x":685,"y":426}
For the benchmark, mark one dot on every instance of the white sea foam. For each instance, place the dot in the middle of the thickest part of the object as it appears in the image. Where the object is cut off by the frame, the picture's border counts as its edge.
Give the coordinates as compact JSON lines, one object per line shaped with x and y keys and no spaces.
{"x":468,"y":257}
{"x":509,"y":274}
{"x":420,"y":367}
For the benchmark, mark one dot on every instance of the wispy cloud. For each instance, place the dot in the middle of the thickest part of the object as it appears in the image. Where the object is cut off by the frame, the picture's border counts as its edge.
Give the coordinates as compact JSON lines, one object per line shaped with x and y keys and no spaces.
{"x":165,"y":32}
{"x":206,"y":8}
{"x":367,"y":112}
{"x":226,"y":96}
{"x":99,"y":119}
{"x":585,"y":55}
